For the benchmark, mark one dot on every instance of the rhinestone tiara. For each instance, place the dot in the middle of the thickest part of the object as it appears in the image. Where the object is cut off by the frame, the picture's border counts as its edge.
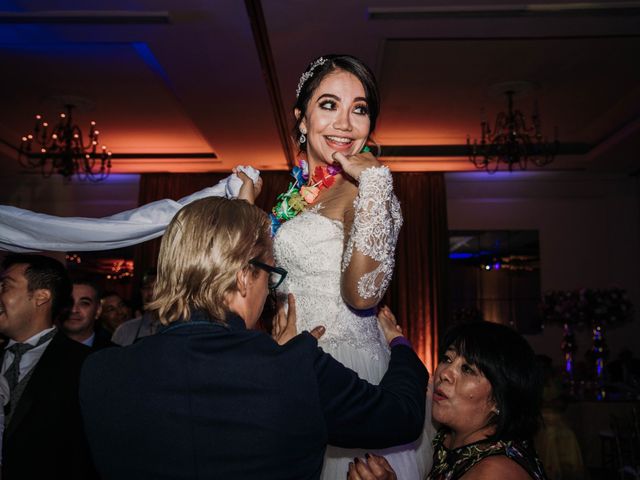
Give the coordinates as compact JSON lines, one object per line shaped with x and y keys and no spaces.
{"x":309,"y":73}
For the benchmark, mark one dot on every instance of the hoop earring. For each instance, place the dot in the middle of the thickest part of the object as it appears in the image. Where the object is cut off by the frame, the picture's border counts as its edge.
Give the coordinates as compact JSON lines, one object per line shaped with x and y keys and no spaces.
{"x":302,"y":138}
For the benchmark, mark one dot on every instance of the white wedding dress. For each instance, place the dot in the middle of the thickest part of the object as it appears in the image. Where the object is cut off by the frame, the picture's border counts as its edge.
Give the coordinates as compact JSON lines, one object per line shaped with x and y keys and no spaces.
{"x":312,"y":248}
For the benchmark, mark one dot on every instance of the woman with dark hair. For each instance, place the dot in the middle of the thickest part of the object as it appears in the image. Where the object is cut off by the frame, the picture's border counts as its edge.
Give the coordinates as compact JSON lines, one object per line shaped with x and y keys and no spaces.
{"x":486,"y":399}
{"x":336,"y":230}
{"x":487,"y":396}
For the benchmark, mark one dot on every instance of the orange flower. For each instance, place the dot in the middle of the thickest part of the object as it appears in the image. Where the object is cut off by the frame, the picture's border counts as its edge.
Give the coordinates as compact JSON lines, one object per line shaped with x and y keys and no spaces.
{"x":309,"y":193}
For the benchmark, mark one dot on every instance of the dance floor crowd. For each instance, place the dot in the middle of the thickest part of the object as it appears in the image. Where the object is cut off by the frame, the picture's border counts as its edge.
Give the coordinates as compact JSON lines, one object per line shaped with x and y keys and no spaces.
{"x":190,"y":388}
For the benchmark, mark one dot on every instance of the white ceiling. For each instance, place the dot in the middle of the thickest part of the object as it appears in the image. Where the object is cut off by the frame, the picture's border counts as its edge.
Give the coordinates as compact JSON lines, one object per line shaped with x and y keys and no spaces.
{"x":216,"y":78}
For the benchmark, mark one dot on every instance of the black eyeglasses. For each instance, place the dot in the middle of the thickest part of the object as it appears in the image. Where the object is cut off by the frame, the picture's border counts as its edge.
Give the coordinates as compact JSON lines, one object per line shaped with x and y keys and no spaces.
{"x":276,"y":274}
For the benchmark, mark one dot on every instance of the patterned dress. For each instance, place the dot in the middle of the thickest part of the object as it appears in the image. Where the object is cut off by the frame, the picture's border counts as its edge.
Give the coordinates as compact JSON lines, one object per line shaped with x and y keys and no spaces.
{"x":453,"y":464}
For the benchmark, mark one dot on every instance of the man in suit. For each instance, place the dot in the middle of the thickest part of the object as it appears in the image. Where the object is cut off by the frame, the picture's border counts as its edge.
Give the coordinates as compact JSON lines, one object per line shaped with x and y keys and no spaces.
{"x":208,"y":397}
{"x":114,"y":312}
{"x":80,"y":324}
{"x":146,"y":323}
{"x":43,"y":435}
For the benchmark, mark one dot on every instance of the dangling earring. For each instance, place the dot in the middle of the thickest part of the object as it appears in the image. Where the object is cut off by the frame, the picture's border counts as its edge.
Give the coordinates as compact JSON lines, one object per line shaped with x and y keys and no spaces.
{"x":302,"y":138}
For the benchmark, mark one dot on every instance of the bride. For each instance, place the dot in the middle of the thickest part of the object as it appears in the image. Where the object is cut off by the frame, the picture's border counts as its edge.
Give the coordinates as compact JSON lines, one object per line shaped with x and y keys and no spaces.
{"x":336,"y":231}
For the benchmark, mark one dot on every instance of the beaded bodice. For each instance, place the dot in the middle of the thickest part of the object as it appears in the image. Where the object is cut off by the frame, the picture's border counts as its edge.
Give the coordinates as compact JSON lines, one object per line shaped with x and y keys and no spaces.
{"x":310,"y":247}
{"x":318,"y":257}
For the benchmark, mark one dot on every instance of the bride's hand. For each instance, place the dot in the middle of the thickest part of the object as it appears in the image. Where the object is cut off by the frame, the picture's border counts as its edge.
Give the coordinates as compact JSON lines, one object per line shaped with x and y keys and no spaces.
{"x":388,"y":323}
{"x":284,"y":324}
{"x":249,"y":190}
{"x":354,"y":165}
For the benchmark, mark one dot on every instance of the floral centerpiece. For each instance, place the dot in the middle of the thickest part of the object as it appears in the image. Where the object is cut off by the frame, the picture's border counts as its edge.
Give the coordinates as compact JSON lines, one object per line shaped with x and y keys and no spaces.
{"x":587,"y":307}
{"x":595,"y":308}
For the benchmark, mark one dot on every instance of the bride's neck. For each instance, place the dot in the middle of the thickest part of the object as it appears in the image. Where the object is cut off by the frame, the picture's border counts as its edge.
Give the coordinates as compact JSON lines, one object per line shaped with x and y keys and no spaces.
{"x":313,"y":164}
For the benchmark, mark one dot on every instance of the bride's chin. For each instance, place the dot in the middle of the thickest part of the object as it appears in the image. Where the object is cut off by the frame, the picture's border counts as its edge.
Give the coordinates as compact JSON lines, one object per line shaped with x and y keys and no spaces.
{"x":324,"y":157}
{"x":358,"y":148}
{"x":321,"y":159}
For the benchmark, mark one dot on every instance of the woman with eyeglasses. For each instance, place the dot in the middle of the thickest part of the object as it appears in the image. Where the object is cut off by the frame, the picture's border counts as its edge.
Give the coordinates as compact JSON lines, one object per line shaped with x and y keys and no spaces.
{"x":210,"y":397}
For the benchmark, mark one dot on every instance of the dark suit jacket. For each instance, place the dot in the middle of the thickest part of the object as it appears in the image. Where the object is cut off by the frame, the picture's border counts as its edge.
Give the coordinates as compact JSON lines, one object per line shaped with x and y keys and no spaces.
{"x":45,"y":437}
{"x":102,"y":339}
{"x":201,"y":399}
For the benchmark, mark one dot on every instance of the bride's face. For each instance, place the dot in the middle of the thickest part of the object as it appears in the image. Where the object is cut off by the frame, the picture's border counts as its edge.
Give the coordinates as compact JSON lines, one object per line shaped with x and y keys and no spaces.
{"x":337,"y":117}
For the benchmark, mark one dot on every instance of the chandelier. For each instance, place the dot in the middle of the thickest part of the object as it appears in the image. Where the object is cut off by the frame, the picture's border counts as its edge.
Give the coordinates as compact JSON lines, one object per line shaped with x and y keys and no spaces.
{"x":64,"y":149}
{"x":512,"y":142}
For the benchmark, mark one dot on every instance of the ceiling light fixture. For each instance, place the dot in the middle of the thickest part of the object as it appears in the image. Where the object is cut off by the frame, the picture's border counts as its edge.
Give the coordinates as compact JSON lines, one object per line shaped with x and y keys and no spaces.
{"x":62,"y":149}
{"x":512,"y":142}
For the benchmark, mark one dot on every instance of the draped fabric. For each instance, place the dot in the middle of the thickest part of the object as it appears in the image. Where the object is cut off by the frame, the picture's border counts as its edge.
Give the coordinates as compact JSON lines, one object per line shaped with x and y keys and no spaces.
{"x":155,"y":186}
{"x":27,"y":231}
{"x":417,"y":292}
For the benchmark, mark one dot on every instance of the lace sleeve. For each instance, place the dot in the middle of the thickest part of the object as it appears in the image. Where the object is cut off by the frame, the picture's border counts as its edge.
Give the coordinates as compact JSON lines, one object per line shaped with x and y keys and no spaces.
{"x":368,"y":259}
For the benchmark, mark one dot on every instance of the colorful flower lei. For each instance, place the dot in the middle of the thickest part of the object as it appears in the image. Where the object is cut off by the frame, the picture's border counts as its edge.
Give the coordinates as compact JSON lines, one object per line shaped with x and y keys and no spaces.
{"x":300,"y":194}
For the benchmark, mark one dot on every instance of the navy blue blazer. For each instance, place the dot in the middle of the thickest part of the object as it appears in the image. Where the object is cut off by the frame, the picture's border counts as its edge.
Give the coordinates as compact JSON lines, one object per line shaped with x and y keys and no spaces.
{"x":203,"y":399}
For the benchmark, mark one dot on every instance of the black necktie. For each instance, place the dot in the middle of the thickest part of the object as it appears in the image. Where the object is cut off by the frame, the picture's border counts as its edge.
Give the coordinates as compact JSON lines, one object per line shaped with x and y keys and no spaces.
{"x":12,"y":374}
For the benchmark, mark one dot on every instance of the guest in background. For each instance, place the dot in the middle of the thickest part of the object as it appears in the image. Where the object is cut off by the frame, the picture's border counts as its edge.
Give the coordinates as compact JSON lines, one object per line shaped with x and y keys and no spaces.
{"x":555,"y":442}
{"x":43,"y":435}
{"x":114,"y":311}
{"x":208,"y":397}
{"x":80,"y":325}
{"x":4,"y":400}
{"x":552,"y":393}
{"x":145,"y":293}
{"x":147,"y":323}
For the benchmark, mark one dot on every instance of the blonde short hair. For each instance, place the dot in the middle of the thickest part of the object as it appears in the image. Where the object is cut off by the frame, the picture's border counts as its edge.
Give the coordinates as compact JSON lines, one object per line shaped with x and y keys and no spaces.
{"x":205,"y":245}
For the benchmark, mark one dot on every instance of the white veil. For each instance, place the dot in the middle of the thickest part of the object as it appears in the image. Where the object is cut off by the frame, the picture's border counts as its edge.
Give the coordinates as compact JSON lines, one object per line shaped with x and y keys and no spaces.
{"x":26,"y":231}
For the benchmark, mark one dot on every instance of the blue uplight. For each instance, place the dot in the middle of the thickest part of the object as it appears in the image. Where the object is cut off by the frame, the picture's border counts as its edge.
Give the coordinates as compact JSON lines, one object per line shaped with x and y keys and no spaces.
{"x":152,"y":62}
{"x":458,"y":255}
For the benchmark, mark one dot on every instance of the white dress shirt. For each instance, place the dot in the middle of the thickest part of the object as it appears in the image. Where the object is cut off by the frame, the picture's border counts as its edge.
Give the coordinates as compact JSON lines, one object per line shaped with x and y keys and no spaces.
{"x":30,"y":358}
{"x":89,"y":341}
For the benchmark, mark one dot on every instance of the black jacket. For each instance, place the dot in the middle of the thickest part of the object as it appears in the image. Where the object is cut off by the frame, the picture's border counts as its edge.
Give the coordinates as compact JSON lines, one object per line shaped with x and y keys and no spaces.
{"x":45,"y":437}
{"x":202,"y":399}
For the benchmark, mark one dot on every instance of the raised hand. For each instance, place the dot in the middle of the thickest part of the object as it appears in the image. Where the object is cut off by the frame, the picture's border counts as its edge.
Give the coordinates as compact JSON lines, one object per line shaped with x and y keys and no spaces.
{"x":388,"y":323}
{"x":249,"y":190}
{"x":354,"y":165}
{"x":284,"y":324}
